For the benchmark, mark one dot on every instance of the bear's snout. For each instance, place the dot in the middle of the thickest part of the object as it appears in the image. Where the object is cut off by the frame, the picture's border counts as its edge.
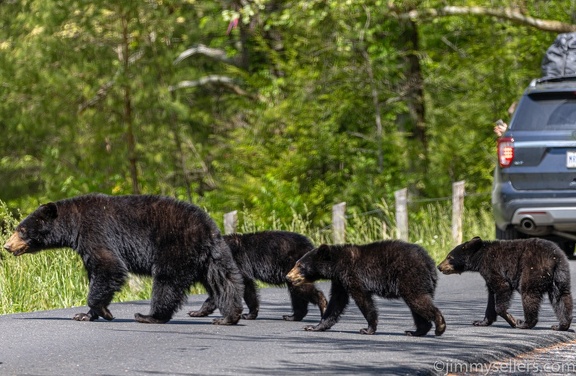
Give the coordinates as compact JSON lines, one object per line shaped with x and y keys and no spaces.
{"x":295,"y":276}
{"x":445,"y":267}
{"x":16,"y":245}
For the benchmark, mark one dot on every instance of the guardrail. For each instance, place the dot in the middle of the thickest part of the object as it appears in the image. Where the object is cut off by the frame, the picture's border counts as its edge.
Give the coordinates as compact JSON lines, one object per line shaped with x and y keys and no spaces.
{"x":401,"y":207}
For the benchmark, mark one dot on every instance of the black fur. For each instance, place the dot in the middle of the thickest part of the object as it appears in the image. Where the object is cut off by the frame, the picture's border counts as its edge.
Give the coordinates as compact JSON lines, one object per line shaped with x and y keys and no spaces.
{"x":176,"y":243}
{"x":267,"y":256}
{"x":391,"y":269}
{"x":532,"y":267}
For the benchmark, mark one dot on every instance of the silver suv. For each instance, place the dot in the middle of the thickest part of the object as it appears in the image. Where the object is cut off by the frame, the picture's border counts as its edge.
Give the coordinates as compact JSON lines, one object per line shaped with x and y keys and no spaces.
{"x":534,"y":188}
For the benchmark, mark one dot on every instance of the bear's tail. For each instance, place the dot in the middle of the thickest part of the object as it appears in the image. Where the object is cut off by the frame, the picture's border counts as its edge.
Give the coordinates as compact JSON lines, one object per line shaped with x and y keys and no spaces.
{"x":225,"y":284}
{"x":560,"y":295}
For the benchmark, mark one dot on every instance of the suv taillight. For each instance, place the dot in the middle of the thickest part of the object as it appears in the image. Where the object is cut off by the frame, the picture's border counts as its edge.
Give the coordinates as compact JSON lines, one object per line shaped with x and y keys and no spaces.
{"x":505,"y":151}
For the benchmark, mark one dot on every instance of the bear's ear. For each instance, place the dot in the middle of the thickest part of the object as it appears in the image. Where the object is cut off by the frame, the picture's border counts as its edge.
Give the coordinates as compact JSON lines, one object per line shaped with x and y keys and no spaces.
{"x":324,"y":251}
{"x":475,"y":244}
{"x":49,"y":210}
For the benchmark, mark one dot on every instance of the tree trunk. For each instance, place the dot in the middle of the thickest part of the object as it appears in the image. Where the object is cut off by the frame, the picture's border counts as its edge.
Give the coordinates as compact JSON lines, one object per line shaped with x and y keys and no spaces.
{"x":377,"y":109}
{"x":128,"y":116}
{"x":414,"y":94}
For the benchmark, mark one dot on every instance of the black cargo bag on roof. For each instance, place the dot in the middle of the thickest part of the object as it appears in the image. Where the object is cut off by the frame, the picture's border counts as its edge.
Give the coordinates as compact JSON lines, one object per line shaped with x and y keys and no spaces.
{"x":560,"y":58}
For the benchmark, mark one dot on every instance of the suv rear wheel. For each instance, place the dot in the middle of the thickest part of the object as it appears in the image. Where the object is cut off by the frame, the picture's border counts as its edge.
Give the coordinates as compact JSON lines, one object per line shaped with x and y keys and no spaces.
{"x":509,"y":234}
{"x":568,"y":247}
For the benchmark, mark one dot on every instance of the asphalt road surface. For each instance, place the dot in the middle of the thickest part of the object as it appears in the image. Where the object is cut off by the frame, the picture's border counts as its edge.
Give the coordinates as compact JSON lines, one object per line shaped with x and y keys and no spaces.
{"x":51,"y":343}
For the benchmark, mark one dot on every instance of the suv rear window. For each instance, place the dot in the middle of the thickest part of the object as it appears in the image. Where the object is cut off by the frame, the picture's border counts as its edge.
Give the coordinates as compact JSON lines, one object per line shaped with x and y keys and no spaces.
{"x":546,"y":111}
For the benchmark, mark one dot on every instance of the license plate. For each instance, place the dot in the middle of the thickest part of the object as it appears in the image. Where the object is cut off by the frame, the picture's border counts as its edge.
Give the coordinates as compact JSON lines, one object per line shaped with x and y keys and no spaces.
{"x":571,"y":159}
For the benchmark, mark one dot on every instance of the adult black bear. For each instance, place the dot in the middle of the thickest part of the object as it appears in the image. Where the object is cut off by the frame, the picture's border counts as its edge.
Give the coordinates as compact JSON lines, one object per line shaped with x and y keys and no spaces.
{"x":176,"y":243}
{"x":530,"y":266}
{"x":267,"y":256}
{"x":392,"y":269}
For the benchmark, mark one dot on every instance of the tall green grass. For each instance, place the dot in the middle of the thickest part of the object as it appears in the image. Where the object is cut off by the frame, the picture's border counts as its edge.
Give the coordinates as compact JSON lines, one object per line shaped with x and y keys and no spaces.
{"x":56,"y":278}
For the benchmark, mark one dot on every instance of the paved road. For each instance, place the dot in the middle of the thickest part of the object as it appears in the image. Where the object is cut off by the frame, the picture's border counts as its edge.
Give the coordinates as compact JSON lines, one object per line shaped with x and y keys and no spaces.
{"x":50,"y":343}
{"x":555,"y":360}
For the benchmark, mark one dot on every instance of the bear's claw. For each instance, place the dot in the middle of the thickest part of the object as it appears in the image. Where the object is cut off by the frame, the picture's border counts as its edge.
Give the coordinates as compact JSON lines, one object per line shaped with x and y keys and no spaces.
{"x":367,"y":331}
{"x":149,"y":319}
{"x":83,"y":317}
{"x":199,"y":313}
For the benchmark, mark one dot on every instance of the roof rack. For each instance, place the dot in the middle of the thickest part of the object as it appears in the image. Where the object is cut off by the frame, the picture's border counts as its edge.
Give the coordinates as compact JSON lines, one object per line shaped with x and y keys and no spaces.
{"x":543,"y":80}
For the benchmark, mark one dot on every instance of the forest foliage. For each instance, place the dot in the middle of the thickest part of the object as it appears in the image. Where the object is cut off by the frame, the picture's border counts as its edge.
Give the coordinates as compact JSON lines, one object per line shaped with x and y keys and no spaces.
{"x":269,"y":106}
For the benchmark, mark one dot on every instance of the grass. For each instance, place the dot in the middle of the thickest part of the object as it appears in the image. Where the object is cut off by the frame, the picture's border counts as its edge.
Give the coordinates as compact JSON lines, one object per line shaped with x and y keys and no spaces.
{"x":56,"y":278}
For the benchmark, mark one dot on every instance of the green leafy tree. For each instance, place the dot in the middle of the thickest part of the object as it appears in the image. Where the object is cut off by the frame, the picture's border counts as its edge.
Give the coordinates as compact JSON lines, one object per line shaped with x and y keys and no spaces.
{"x":87,"y":101}
{"x":276,"y":107}
{"x":324,"y":131}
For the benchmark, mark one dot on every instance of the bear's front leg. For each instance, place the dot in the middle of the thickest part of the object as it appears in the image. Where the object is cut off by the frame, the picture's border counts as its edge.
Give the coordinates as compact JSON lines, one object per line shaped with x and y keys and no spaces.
{"x":502,"y":303}
{"x":365,"y":302}
{"x":490,"y":314}
{"x":106,"y":275}
{"x":228,"y":320}
{"x":322,"y":326}
{"x":93,"y":315}
{"x":338,"y":301}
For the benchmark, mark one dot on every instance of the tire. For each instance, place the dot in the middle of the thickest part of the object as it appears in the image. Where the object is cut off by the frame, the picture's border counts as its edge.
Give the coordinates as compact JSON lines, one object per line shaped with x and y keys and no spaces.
{"x":509,"y":234}
{"x":568,"y":247}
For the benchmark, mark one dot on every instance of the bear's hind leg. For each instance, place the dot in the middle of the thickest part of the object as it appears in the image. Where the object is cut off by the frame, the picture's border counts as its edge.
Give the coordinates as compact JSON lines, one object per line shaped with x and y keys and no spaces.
{"x":439,"y":322}
{"x":531,"y":301}
{"x":252,"y":300}
{"x":301,"y":296}
{"x":207,"y":308}
{"x":168,"y":295}
{"x":299,"y":300}
{"x":317,"y":297}
{"x":423,"y":326}
{"x":562,"y":305}
{"x":424,"y":313}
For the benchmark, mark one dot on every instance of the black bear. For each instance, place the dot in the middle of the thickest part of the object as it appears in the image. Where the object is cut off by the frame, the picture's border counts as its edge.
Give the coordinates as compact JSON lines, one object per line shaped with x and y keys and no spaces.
{"x":392,"y":269}
{"x":530,"y":266}
{"x":267,"y":256}
{"x":175,"y":242}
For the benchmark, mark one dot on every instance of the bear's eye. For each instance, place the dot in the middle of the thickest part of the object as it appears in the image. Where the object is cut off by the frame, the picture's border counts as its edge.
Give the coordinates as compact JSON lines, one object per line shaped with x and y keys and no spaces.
{"x":450,"y":257}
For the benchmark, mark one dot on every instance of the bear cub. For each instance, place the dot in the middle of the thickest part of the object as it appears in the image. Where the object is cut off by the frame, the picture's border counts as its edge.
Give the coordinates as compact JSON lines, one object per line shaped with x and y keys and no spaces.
{"x":392,"y":269}
{"x":174,"y":242}
{"x":267,"y":256}
{"x":532,"y":267}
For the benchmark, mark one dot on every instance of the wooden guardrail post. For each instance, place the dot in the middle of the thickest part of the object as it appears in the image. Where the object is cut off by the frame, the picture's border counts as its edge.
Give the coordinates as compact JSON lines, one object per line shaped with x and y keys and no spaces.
{"x":339,"y":223}
{"x":230,"y":222}
{"x":457,"y":211}
{"x":401,"y":198}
